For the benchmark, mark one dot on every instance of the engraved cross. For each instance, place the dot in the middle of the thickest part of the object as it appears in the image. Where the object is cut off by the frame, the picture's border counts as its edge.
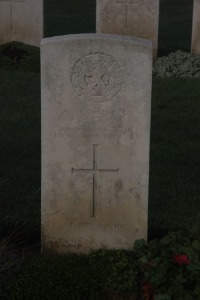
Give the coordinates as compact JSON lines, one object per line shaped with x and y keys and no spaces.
{"x":94,"y":172}
{"x":10,"y":2}
{"x":126,"y":3}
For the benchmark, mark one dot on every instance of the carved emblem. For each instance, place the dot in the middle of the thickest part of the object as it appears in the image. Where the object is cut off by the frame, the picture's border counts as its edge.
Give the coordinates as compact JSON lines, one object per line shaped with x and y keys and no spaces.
{"x":96,"y":77}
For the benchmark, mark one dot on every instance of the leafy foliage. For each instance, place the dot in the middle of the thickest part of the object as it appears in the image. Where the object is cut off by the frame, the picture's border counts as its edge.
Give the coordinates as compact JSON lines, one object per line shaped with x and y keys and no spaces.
{"x":116,"y":269}
{"x":75,"y":277}
{"x":178,"y":64}
{"x":171,"y":266}
{"x":165,"y":269}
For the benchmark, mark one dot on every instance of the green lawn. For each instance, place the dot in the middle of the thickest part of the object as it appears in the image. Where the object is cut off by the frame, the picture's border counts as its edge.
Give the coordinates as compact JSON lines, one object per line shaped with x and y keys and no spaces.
{"x":174,"y":197}
{"x":69,"y":17}
{"x":175,"y":25}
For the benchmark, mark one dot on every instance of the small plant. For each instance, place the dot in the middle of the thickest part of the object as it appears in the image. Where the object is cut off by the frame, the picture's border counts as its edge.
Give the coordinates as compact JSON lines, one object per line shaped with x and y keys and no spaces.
{"x":169,"y":267}
{"x":177,"y":64}
{"x":116,"y":270}
{"x":165,"y":269}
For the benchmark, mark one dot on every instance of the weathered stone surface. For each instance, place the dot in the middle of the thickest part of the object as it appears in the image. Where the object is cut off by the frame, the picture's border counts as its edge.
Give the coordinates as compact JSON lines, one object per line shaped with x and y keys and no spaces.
{"x":138,"y":18}
{"x":21,"y":20}
{"x":96,"y":95}
{"x":195,"y":47}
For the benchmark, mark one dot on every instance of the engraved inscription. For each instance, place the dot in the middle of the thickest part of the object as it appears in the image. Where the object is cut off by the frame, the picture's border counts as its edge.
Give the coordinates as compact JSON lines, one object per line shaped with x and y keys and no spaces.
{"x":84,"y":132}
{"x":126,"y":3}
{"x":96,"y":77}
{"x":94,"y":172}
{"x":91,"y":122}
{"x":95,"y":226}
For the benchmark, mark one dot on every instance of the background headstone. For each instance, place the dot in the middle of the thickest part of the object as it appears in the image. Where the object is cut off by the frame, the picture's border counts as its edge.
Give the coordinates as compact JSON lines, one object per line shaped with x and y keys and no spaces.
{"x":195,"y":48}
{"x":96,"y":96}
{"x":21,"y":20}
{"x":137,"y":18}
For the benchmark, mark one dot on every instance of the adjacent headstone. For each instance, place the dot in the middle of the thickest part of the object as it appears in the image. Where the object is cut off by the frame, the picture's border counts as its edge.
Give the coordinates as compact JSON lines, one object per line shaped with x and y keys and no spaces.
{"x":96,"y":96}
{"x":21,"y":20}
{"x":195,"y":48}
{"x":137,"y":18}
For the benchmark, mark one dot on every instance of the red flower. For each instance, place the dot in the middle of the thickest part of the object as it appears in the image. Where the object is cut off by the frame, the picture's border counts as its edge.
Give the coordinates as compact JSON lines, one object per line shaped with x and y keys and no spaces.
{"x":148,"y":291}
{"x":181,"y":259}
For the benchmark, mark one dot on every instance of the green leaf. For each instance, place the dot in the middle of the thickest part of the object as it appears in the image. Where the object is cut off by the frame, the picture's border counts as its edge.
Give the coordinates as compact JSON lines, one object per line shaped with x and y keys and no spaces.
{"x":163,"y":297}
{"x":196,"y":245}
{"x":139,"y":245}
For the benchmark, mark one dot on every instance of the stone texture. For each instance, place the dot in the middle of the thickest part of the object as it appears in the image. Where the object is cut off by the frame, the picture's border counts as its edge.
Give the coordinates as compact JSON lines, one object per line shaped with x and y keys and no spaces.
{"x":21,"y":20}
{"x":195,"y":48}
{"x":96,"y":95}
{"x":138,"y":18}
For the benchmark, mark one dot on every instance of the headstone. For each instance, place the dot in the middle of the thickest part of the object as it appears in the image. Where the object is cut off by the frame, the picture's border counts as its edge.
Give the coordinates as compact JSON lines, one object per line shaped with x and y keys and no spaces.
{"x":195,"y":48}
{"x":21,"y":20}
{"x":137,"y":18}
{"x":96,"y":96}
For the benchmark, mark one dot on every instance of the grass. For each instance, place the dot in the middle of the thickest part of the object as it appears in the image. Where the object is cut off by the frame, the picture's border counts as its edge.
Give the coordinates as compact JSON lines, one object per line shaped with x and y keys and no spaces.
{"x":174,"y":160}
{"x":69,"y":17}
{"x":19,"y":137}
{"x":175,"y":25}
{"x":74,"y":277}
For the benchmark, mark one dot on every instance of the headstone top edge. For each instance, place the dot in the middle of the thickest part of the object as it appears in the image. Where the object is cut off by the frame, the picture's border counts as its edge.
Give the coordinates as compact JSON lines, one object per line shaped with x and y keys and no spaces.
{"x":94,"y":36}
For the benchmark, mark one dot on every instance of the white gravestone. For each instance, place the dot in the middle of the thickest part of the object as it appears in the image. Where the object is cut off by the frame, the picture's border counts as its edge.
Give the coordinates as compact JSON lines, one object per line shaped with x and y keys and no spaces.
{"x":96,"y":96}
{"x":21,"y":20}
{"x":137,"y":18}
{"x":195,"y":48}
